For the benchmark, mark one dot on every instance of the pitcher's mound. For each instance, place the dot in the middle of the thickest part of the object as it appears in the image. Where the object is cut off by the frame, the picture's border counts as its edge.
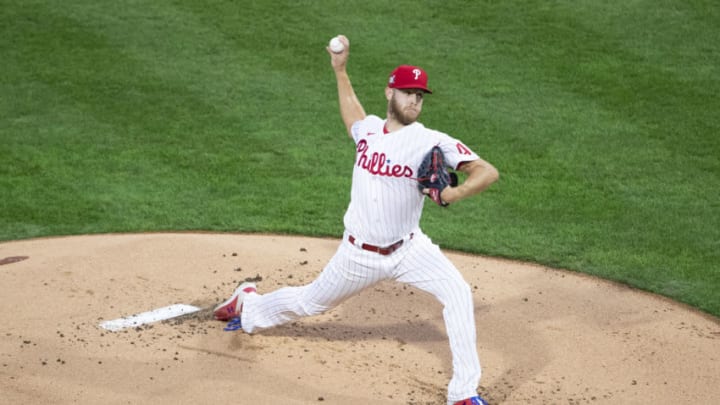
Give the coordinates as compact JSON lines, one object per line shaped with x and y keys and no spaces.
{"x":544,"y":336}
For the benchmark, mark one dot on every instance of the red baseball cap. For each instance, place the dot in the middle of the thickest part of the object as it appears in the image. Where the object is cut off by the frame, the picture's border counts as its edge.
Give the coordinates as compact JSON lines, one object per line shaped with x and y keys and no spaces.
{"x":408,"y":77}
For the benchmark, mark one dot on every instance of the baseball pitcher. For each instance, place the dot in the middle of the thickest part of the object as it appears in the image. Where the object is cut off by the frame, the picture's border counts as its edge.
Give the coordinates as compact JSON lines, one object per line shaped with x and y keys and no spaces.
{"x":398,"y":163}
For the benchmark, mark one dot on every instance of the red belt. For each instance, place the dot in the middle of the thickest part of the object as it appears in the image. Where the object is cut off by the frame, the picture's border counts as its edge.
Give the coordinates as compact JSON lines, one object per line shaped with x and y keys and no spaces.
{"x":380,"y":250}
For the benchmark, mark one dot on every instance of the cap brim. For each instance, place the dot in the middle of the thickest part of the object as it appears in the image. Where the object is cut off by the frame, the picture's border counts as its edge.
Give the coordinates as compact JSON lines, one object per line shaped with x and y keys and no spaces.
{"x":425,"y":89}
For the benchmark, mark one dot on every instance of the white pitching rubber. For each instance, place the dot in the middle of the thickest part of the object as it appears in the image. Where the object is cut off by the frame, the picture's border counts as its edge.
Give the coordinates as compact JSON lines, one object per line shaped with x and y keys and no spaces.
{"x":159,"y":314}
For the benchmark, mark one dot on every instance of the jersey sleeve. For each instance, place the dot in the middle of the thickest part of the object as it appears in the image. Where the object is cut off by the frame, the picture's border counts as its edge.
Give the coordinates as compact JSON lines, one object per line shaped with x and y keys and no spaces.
{"x":365,"y":127}
{"x":456,"y":153}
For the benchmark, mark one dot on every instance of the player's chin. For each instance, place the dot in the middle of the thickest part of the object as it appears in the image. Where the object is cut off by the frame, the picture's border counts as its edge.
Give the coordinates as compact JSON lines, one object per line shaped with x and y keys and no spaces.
{"x":409,"y":116}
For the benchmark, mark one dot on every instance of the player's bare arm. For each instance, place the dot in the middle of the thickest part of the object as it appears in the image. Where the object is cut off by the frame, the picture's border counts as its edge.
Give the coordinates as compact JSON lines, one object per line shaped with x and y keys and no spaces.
{"x":480,"y":175}
{"x":351,"y":110}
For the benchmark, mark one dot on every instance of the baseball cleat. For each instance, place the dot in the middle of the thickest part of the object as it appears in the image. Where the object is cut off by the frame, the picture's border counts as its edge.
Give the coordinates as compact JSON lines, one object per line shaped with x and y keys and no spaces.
{"x":232,"y":306}
{"x":476,"y":400}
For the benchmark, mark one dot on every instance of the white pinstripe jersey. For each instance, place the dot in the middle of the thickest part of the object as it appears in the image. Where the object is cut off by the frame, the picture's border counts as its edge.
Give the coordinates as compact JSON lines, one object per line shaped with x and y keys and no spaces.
{"x":385,"y":203}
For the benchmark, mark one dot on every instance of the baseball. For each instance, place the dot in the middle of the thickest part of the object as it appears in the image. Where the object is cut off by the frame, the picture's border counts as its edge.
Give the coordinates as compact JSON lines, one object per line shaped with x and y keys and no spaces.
{"x":336,"y":45}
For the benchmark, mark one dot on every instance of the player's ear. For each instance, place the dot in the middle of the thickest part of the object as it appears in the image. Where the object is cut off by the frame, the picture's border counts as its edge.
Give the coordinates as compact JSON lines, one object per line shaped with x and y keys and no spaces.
{"x":388,"y":93}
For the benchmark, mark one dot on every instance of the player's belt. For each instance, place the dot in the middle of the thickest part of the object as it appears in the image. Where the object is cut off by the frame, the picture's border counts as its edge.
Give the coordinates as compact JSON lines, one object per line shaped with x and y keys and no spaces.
{"x":377,"y":249}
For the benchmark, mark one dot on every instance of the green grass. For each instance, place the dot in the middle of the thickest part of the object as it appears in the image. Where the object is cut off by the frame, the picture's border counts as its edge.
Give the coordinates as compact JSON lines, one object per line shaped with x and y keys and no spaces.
{"x":222,"y":115}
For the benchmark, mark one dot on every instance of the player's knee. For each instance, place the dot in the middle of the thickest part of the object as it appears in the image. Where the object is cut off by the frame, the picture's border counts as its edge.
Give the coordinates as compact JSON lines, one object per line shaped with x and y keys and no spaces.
{"x":462,"y":287}
{"x":463,"y":292}
{"x":457,"y":292}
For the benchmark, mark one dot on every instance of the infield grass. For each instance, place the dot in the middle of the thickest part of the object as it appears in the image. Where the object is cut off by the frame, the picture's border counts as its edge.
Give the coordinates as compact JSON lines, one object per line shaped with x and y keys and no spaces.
{"x":602,"y":118}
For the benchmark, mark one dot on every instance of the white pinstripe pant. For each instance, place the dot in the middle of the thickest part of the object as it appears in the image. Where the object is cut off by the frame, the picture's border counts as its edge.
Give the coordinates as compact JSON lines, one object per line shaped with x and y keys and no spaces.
{"x":418,"y":262}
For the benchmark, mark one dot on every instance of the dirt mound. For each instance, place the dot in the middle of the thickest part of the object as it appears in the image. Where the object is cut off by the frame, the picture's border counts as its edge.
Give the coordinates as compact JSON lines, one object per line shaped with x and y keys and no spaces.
{"x":544,"y":336}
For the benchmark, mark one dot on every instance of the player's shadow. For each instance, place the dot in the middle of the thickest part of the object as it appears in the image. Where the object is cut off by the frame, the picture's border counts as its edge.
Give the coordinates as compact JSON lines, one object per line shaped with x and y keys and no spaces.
{"x":408,"y":332}
{"x":388,"y":311}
